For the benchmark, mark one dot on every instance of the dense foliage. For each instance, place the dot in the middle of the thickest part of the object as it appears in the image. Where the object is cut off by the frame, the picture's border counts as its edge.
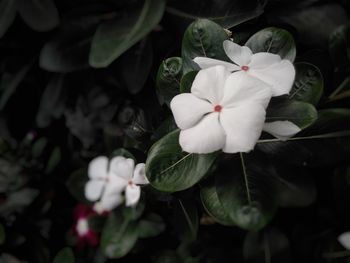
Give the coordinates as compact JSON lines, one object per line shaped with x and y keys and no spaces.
{"x":88,"y":78}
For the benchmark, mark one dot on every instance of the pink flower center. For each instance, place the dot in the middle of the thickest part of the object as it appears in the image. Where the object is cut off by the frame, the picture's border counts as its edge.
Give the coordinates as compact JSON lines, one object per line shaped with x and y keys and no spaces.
{"x":218,"y":108}
{"x":245,"y":68}
{"x":130,"y":182}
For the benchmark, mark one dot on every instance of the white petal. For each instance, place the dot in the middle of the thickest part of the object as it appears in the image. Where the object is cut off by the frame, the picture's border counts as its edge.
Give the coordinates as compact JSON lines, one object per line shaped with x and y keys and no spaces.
{"x":241,"y":55}
{"x":209,"y":84}
{"x":112,"y":195}
{"x":132,"y":195}
{"x":204,"y":62}
{"x":281,"y":129}
{"x":344,"y":240}
{"x":98,"y":168}
{"x":140,"y":174}
{"x":241,"y":88}
{"x":243,"y":126}
{"x":279,"y":75}
{"x":263,"y":60}
{"x":93,"y":189}
{"x":122,"y":167}
{"x":206,"y":137}
{"x":188,"y":109}
{"x":109,"y":202}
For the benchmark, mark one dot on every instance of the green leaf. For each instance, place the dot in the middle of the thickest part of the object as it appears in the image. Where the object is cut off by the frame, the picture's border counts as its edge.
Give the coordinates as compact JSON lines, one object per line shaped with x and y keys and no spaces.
{"x":168,"y":78}
{"x":167,"y":126}
{"x":76,"y":185}
{"x":212,"y":204}
{"x":52,"y":103}
{"x":7,"y":15}
{"x":54,"y":160}
{"x":243,"y":188}
{"x":150,"y":226}
{"x":300,"y":113}
{"x":2,"y":234}
{"x":186,"y":81}
{"x":65,"y":255}
{"x":185,"y":219}
{"x":273,"y":40}
{"x":123,"y":152}
{"x":170,"y":169}
{"x":18,"y":200}
{"x":308,"y":84}
{"x":202,"y":38}
{"x":113,"y":38}
{"x":67,"y":51}
{"x":40,"y":15}
{"x":9,"y":84}
{"x":339,"y":47}
{"x":119,"y":236}
{"x":39,"y":147}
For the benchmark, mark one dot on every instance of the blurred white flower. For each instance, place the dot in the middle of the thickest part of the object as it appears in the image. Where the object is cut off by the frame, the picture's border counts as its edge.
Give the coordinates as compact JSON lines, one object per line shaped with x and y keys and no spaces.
{"x":344,"y":240}
{"x":223,"y":111}
{"x":278,"y":73}
{"x":108,"y":181}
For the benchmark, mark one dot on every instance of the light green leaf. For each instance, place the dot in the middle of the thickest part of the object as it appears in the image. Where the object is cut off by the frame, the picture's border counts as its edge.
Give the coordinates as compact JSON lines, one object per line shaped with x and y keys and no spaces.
{"x":308,"y":84}
{"x":65,"y":255}
{"x":7,"y":15}
{"x":113,"y":38}
{"x":170,"y":169}
{"x":273,"y":40}
{"x":203,"y":38}
{"x":119,"y":236}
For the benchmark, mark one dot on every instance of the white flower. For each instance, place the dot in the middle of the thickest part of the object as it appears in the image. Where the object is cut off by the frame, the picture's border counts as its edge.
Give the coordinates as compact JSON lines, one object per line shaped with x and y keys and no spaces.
{"x":344,"y":240}
{"x":223,"y":111}
{"x":108,"y":180}
{"x":270,"y":68}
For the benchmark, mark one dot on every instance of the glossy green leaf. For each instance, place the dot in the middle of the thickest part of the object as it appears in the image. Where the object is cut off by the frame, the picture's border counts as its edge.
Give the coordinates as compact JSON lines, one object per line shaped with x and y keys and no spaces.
{"x":300,"y":113}
{"x":168,"y":79}
{"x":273,"y":40}
{"x":170,"y":169}
{"x":187,"y":80}
{"x":212,"y":204}
{"x":40,"y":15}
{"x":150,"y":226}
{"x":65,"y":255}
{"x":113,"y":38}
{"x":245,"y":191}
{"x":52,"y":103}
{"x":119,"y":236}
{"x":202,"y":38}
{"x":308,"y":84}
{"x":7,"y":15}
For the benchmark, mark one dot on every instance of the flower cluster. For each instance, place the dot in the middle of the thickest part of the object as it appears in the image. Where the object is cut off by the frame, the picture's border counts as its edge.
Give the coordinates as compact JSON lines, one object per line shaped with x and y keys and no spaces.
{"x":109,"y":180}
{"x":226,"y":108}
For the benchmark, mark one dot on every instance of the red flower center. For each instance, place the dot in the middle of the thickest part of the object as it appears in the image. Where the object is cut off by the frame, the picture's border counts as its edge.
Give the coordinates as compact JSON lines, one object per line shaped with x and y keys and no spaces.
{"x":245,"y":68}
{"x":218,"y":108}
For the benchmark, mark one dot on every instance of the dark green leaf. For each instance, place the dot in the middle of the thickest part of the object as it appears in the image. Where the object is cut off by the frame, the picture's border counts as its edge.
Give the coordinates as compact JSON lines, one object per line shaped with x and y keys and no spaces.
{"x":203,"y":38}
{"x":119,"y":236}
{"x":9,"y":84}
{"x":16,"y":201}
{"x":76,"y":185}
{"x":339,"y":47}
{"x":7,"y":15}
{"x":300,"y":113}
{"x":167,"y":126}
{"x":245,"y":191}
{"x":273,"y":40}
{"x":52,"y":103}
{"x":123,"y":152}
{"x":308,"y":85}
{"x":170,"y":169}
{"x":65,"y":255}
{"x":150,"y":226}
{"x":185,"y":219}
{"x":270,"y":244}
{"x":39,"y":147}
{"x":113,"y":38}
{"x":54,"y":160}
{"x":212,"y":204}
{"x":186,"y":81}
{"x":2,"y":234}
{"x":168,"y":79}
{"x":40,"y":15}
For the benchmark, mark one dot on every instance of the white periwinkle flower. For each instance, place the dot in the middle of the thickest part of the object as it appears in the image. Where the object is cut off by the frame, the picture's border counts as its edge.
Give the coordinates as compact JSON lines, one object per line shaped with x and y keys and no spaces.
{"x":109,"y":179}
{"x":270,"y":68}
{"x":223,"y":111}
{"x":344,"y":240}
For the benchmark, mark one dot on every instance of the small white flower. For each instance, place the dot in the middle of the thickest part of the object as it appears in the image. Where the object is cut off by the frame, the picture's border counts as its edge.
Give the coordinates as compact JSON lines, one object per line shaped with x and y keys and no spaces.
{"x":270,"y":68}
{"x":223,"y":111}
{"x":344,"y":240}
{"x":108,"y":180}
